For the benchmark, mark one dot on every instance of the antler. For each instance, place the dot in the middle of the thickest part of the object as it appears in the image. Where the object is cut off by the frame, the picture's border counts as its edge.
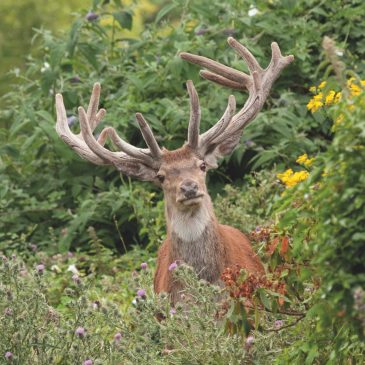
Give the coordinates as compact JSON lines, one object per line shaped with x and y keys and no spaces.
{"x":133,"y":161}
{"x":226,"y":133}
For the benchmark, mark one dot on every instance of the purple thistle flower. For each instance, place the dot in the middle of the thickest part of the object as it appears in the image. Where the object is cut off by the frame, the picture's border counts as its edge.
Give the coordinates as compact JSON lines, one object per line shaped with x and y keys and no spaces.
{"x":80,"y":331}
{"x":258,"y":229}
{"x":229,"y":31}
{"x":8,"y":355}
{"x":75,"y":79}
{"x":201,"y":31}
{"x":70,"y":254}
{"x":40,"y":268}
{"x":117,"y":337}
{"x":278,"y":324}
{"x":71,"y":120}
{"x":249,"y":341}
{"x":173,"y":266}
{"x":141,"y":293}
{"x":91,"y":16}
{"x":144,"y":265}
{"x":172,"y":311}
{"x":88,"y":362}
{"x":76,"y":279}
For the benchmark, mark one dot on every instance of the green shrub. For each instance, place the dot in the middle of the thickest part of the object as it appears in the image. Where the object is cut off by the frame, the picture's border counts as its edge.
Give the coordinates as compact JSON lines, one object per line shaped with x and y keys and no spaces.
{"x":47,"y":190}
{"x":325,"y":217}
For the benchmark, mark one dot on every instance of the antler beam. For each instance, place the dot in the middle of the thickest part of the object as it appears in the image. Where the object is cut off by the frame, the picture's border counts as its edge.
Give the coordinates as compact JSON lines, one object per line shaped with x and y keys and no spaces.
{"x":258,"y":83}
{"x":130,"y":159}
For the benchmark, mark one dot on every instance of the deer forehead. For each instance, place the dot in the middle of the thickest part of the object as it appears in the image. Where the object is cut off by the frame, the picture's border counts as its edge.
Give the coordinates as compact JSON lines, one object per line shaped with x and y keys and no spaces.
{"x":178,"y":161}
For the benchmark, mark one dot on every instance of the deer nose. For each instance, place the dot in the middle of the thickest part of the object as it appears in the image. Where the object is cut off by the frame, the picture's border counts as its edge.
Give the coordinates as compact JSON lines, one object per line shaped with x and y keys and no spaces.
{"x":189,"y":188}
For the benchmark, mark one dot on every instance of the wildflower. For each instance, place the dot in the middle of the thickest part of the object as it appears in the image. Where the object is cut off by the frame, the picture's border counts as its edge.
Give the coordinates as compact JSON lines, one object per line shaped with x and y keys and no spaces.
{"x":88,"y":362}
{"x":290,"y":178}
{"x":80,"y":331}
{"x":258,"y":229}
{"x":173,"y":266}
{"x":8,"y":312}
{"x":301,"y":159}
{"x":249,"y":341}
{"x":13,"y":256}
{"x":70,"y":254}
{"x":172,"y":311}
{"x":40,"y":268}
{"x":75,"y":79}
{"x":278,"y":324}
{"x":201,"y":31}
{"x":330,"y":97}
{"x":144,"y":265}
{"x":8,"y":355}
{"x":322,"y":85}
{"x":76,"y":279}
{"x":338,"y":97}
{"x":91,"y":16}
{"x":33,"y":247}
{"x":315,"y":103}
{"x":252,"y":11}
{"x":71,"y":120}
{"x":141,"y":293}
{"x":73,"y":269}
{"x":56,"y":269}
{"x":355,"y":90}
{"x":117,"y":337}
{"x":96,"y":305}
{"x":313,"y":89}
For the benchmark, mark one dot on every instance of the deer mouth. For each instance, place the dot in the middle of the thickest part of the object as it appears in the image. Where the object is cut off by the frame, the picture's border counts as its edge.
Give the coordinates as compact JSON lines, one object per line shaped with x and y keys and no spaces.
{"x":196,"y":199}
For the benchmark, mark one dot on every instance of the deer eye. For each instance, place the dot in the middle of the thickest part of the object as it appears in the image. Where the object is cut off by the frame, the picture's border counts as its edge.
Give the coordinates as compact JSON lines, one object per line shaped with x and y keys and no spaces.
{"x":203,"y":166}
{"x":161,"y":178}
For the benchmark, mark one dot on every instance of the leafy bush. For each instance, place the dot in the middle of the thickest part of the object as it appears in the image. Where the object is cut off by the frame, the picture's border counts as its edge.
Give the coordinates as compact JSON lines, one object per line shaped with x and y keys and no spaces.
{"x":49,"y":196}
{"x":325,"y":217}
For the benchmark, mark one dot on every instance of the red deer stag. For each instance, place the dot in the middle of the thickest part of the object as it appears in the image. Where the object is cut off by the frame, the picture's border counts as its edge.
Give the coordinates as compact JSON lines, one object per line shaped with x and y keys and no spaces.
{"x":194,"y":235}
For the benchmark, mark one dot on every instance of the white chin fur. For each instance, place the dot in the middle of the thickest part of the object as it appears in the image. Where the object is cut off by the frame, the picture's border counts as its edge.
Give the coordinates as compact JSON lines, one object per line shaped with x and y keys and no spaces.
{"x":190,"y":225}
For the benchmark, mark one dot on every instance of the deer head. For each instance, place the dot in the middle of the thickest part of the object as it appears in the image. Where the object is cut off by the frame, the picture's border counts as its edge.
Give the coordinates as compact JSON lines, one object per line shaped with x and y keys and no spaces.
{"x":181,"y":173}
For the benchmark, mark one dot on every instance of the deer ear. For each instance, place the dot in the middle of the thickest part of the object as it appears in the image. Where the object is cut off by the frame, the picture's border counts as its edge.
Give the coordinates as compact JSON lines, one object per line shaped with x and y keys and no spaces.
{"x":224,"y":148}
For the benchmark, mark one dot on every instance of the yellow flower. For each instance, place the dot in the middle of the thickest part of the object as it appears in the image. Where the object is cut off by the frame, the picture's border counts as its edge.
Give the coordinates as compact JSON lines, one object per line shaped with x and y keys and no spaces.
{"x":322,"y":85}
{"x":318,"y":97}
{"x":309,"y":162}
{"x":290,"y":178}
{"x":304,"y":160}
{"x":313,"y":89}
{"x":330,"y":97}
{"x":338,"y":97}
{"x":301,"y":159}
{"x":355,"y":90}
{"x":314,"y":104}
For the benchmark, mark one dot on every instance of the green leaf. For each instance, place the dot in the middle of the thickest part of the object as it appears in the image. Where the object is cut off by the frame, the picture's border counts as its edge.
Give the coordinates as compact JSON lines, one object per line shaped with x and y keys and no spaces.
{"x":164,"y":11}
{"x":124,"y":18}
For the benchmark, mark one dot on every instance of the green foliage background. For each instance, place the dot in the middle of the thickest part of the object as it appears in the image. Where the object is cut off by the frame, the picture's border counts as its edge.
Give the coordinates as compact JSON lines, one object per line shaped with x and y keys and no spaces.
{"x":52,"y":198}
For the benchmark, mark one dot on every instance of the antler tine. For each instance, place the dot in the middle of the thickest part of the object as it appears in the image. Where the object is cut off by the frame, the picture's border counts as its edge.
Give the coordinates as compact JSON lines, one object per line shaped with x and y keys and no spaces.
{"x":221,"y":80}
{"x":195,"y":114}
{"x":207,"y":137}
{"x":251,"y":61}
{"x":222,"y":70}
{"x":148,"y":136}
{"x":74,"y":141}
{"x":225,"y":134}
{"x":138,"y":153}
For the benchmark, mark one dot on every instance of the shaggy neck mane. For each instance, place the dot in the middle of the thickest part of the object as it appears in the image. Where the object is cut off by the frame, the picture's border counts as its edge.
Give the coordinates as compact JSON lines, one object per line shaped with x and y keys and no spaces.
{"x":195,"y":241}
